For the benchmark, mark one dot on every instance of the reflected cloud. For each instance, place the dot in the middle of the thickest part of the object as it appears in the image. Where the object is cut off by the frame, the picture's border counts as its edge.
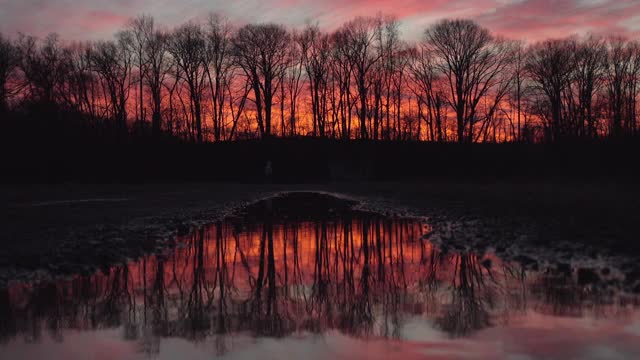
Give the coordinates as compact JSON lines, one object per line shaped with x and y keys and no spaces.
{"x":363,"y":275}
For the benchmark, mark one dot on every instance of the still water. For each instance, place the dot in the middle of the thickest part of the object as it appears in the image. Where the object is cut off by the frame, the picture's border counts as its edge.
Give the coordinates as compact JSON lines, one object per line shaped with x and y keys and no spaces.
{"x":347,"y":285}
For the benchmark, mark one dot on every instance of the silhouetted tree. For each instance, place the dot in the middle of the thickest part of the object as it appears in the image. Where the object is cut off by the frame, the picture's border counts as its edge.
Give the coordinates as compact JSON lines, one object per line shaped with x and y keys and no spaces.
{"x":293,"y":83}
{"x":196,"y":80}
{"x":472,"y":61}
{"x":43,"y":67}
{"x":316,"y":52}
{"x":139,"y":30}
{"x":188,"y":49}
{"x":341,"y":73}
{"x":516,"y":98}
{"x":633,"y":89}
{"x":79,"y":91}
{"x":588,"y":79}
{"x":622,"y":80}
{"x":358,"y":37}
{"x":9,"y":62}
{"x":219,"y":62}
{"x":156,"y":68}
{"x":112,"y":61}
{"x":262,"y":52}
{"x":426,"y":83}
{"x":388,"y":82}
{"x":549,"y":65}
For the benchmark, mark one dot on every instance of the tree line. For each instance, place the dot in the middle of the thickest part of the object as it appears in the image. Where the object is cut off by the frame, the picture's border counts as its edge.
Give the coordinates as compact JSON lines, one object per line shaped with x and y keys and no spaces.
{"x":214,"y":81}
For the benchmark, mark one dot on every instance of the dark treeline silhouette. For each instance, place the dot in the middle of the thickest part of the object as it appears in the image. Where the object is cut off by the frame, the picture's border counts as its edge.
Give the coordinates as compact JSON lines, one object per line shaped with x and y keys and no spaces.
{"x":213,"y":81}
{"x":359,"y":273}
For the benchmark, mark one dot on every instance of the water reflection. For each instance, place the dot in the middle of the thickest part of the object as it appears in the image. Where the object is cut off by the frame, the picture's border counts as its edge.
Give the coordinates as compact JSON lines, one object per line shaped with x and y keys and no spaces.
{"x":363,"y":275}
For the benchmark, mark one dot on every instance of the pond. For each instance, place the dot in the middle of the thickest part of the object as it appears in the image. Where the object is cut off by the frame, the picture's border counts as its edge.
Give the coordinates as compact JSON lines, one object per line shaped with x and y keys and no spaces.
{"x":291,"y":277}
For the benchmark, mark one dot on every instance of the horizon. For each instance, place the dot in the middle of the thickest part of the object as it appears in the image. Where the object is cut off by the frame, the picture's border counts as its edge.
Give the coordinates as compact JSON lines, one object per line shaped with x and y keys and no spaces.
{"x":527,"y":20}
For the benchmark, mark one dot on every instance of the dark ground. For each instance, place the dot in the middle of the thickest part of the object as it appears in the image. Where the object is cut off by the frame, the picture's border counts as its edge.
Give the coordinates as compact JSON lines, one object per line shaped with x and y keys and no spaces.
{"x":313,"y":160}
{"x":70,"y":228}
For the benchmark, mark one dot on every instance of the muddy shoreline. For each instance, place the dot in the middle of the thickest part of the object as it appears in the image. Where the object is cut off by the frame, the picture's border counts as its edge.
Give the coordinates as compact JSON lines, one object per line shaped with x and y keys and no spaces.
{"x":77,"y":229}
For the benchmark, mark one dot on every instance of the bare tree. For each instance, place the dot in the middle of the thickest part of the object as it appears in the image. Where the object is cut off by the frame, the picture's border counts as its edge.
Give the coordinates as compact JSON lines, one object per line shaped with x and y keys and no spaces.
{"x":112,"y":61}
{"x":42,"y":65}
{"x":358,"y":36}
{"x":157,"y":66}
{"x":388,"y":82}
{"x":316,"y":52}
{"x":633,"y":88}
{"x":139,"y":30}
{"x":262,"y":52}
{"x":426,"y":84}
{"x":196,"y":80}
{"x":588,"y":78}
{"x":188,"y":49}
{"x":341,"y":73}
{"x":237,"y":99}
{"x":549,"y":65}
{"x":293,"y":83}
{"x":9,"y":62}
{"x":219,"y":63}
{"x":518,"y":87}
{"x":619,"y":70}
{"x":471,"y":60}
{"x":78,"y":90}
{"x":396,"y":95}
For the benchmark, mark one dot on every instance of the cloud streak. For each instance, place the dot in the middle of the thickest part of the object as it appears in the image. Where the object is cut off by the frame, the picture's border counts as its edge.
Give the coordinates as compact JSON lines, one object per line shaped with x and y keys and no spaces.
{"x":522,"y":19}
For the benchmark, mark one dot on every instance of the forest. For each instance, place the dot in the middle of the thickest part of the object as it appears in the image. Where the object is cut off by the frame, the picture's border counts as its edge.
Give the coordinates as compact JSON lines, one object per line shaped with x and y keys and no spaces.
{"x":212,"y":81}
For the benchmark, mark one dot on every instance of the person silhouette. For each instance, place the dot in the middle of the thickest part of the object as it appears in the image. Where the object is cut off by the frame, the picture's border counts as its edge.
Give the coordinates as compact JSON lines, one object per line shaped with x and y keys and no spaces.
{"x":268,"y":171}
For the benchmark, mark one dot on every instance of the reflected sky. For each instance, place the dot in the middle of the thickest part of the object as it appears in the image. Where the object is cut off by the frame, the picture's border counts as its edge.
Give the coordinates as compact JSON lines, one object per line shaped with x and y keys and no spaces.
{"x":349,"y":285}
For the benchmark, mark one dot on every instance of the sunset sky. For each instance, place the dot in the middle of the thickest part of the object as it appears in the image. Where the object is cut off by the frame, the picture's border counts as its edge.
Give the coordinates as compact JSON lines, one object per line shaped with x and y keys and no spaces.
{"x":521,"y":19}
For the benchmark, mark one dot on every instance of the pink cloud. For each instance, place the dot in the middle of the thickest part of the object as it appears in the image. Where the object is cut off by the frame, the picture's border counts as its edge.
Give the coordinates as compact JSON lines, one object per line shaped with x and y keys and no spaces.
{"x":539,"y":19}
{"x":530,"y":19}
